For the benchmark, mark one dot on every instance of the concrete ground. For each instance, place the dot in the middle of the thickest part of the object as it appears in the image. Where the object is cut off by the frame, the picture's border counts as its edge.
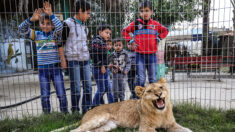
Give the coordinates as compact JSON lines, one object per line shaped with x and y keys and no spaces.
{"x":200,"y":88}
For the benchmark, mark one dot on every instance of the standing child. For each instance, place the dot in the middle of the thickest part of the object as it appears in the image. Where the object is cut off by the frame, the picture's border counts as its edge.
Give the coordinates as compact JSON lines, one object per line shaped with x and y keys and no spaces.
{"x":74,"y":37}
{"x":109,"y":46}
{"x":48,"y":57}
{"x":100,"y":60}
{"x":132,"y":72}
{"x":120,"y":64}
{"x":148,"y":34}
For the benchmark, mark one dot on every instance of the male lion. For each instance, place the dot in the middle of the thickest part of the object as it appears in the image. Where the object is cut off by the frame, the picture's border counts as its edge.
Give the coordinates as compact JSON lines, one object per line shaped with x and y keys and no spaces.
{"x":153,"y":110}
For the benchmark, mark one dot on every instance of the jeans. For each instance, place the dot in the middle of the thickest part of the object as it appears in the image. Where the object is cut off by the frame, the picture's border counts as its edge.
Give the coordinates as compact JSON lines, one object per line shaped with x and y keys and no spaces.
{"x":45,"y":76}
{"x":103,"y":85}
{"x":119,"y":86}
{"x":143,"y":62}
{"x":79,"y":71}
{"x":110,"y":86}
{"x":132,"y":82}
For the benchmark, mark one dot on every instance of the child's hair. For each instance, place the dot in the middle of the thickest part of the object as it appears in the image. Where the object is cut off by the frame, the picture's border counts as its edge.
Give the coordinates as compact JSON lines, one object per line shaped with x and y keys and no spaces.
{"x":117,"y":40}
{"x":102,"y":27}
{"x":83,"y":5}
{"x":44,"y":16}
{"x":145,"y":4}
{"x":109,"y":40}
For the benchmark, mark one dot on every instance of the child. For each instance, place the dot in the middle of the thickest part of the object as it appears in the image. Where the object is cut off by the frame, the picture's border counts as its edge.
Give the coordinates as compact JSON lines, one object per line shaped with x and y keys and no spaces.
{"x":132,"y":72}
{"x":100,"y":60}
{"x":120,"y":64}
{"x":74,"y":37}
{"x":47,"y":51}
{"x":109,"y":46}
{"x":147,"y":33}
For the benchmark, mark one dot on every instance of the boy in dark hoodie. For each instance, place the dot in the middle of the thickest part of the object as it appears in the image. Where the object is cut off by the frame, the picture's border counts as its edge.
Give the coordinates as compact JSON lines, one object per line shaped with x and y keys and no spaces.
{"x":99,"y":55}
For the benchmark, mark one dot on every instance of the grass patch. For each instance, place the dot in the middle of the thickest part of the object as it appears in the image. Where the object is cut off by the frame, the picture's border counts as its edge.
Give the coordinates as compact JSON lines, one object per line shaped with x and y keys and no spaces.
{"x":192,"y":116}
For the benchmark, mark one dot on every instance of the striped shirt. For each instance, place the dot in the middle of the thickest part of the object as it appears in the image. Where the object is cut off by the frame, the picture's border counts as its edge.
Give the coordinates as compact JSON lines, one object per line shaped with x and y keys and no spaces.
{"x":47,"y":49}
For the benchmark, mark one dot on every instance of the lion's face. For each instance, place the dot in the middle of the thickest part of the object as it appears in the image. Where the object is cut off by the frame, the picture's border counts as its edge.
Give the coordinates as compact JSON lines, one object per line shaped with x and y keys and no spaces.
{"x":154,"y":95}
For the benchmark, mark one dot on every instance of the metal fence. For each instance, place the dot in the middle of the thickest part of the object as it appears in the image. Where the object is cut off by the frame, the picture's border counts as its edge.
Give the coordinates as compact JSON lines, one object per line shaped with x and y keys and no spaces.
{"x":197,"y":57}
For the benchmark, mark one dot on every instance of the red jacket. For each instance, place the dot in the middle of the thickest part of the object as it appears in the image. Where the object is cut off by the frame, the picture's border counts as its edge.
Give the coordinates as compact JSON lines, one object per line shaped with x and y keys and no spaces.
{"x":146,"y":35}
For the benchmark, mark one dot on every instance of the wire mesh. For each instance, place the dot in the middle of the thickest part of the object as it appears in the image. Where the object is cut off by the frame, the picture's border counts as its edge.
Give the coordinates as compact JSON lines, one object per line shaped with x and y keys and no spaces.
{"x":196,"y":58}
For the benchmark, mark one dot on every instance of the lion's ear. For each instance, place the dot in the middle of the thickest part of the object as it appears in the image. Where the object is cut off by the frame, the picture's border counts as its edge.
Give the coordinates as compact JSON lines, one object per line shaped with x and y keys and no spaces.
{"x":139,"y":91}
{"x":162,"y":80}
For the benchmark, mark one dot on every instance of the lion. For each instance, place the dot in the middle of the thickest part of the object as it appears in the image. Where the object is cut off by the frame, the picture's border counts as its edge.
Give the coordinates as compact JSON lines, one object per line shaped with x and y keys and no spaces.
{"x":153,"y":110}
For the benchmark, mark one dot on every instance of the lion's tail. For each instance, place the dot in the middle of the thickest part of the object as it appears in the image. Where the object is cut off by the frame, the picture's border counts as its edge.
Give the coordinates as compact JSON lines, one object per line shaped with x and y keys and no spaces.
{"x":66,"y":127}
{"x":98,"y":122}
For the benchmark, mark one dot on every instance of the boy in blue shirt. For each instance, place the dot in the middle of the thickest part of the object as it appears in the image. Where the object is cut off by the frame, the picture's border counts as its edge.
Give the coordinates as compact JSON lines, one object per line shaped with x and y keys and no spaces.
{"x":48,"y":56}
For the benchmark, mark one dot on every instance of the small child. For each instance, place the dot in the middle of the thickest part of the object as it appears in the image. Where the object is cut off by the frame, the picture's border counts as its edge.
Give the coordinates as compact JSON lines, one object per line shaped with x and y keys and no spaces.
{"x":109,"y":46}
{"x":100,"y":60}
{"x":48,"y":57}
{"x":120,"y":64}
{"x":148,"y":33}
{"x":132,"y":72}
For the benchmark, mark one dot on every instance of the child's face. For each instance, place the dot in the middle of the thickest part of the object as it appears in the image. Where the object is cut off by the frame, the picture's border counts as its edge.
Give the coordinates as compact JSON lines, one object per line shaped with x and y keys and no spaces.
{"x":106,"y":34}
{"x":109,"y":45}
{"x":84,"y":16}
{"x":146,"y":13}
{"x":118,"y":46}
{"x":46,"y":25}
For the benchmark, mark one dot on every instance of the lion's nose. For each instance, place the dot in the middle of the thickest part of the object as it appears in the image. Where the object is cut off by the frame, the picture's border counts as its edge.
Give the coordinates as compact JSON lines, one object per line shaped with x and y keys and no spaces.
{"x":158,"y":94}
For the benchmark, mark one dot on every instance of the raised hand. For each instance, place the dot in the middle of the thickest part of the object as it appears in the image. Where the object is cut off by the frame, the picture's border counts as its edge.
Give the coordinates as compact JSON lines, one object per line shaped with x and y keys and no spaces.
{"x":36,"y":15}
{"x":47,"y":8}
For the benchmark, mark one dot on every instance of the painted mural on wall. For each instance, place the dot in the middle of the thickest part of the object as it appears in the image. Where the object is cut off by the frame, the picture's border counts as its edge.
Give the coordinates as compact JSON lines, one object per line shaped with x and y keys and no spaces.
{"x":11,"y":54}
{"x":13,"y":57}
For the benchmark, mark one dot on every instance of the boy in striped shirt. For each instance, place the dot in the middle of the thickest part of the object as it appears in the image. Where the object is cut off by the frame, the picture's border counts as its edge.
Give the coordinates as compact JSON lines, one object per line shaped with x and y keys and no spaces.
{"x":47,"y":54}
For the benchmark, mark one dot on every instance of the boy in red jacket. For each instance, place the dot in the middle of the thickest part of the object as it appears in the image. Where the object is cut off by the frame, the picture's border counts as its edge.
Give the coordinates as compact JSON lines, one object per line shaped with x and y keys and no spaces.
{"x":147,"y":34}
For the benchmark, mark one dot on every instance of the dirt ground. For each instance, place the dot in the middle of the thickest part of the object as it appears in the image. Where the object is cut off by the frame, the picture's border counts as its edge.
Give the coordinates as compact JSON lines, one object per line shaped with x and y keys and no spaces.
{"x":200,"y":88}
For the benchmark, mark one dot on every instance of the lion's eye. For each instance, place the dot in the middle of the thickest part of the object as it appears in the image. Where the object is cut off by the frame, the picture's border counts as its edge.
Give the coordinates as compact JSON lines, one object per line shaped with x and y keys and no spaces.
{"x":161,"y":87}
{"x":149,"y":91}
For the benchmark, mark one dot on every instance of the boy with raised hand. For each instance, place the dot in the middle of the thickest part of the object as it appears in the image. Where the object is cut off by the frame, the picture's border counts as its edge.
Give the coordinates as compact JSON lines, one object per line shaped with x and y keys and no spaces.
{"x":48,"y":56}
{"x":74,"y":38}
{"x":120,"y":65}
{"x":99,"y":55}
{"x":147,"y":34}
